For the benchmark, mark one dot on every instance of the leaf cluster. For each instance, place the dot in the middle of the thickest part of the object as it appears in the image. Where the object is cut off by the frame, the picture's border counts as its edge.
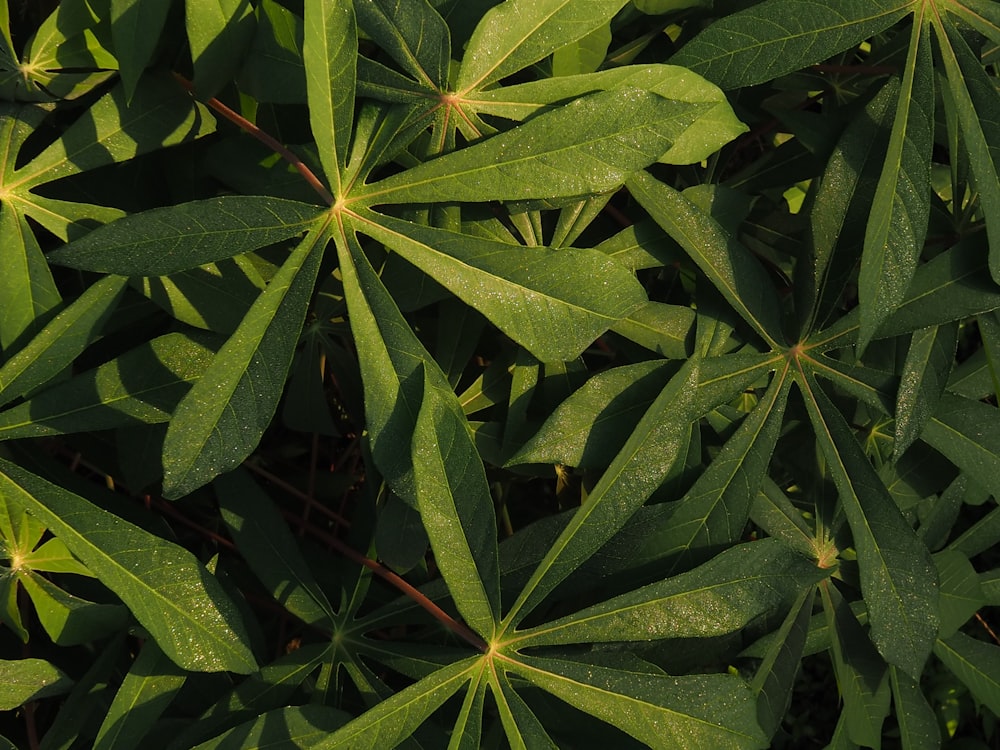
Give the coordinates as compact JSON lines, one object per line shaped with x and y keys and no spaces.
{"x":462,"y":373}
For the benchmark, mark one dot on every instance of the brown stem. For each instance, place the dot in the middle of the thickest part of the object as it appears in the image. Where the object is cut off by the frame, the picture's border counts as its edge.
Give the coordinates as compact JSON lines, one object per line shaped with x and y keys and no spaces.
{"x":267,"y":140}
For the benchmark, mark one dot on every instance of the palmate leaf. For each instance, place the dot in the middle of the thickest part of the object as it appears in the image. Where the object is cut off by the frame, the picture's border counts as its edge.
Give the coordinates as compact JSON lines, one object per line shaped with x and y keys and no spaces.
{"x":107,"y":132}
{"x":210,"y":432}
{"x":898,"y":579}
{"x":523,"y":291}
{"x":172,"y":596}
{"x":550,"y":156}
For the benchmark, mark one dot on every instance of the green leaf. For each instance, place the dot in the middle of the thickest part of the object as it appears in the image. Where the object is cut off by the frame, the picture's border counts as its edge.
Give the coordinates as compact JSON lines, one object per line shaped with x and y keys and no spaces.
{"x":269,"y":548}
{"x":722,"y":596}
{"x":897,"y":224}
{"x":273,"y":686}
{"x":714,"y":711}
{"x":714,"y":512}
{"x":290,"y":728}
{"x":211,"y":432}
{"x":455,"y":505}
{"x":961,"y":594}
{"x":777,"y":37}
{"x":395,"y":718}
{"x":160,"y":114}
{"x":663,"y":329}
{"x":591,"y":426}
{"x":634,"y":474}
{"x":273,"y":70}
{"x":25,"y":680}
{"x":738,"y":276}
{"x":774,"y":680}
{"x":976,"y":664}
{"x":330,"y":52}
{"x":898,"y":579}
{"x":841,"y":204}
{"x":585,"y":55}
{"x":219,"y":33}
{"x":550,"y":156}
{"x":968,"y":433}
{"x":861,"y":673}
{"x":716,"y":126}
{"x":172,"y":596}
{"x":413,"y":33}
{"x":58,"y":344}
{"x":925,"y":373}
{"x":136,"y":26}
{"x":69,"y":620}
{"x":145,"y":693}
{"x":175,"y":238}
{"x":954,"y":285}
{"x":978,"y":106}
{"x":517,"y":33}
{"x":143,"y":386}
{"x":390,"y":356}
{"x":523,"y":727}
{"x":26,"y":283}
{"x":573,"y":295}
{"x":918,"y":724}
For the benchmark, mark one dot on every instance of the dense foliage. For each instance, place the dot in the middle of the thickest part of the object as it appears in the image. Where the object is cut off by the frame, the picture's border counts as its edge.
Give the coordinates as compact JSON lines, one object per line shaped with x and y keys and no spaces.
{"x":463,"y":373}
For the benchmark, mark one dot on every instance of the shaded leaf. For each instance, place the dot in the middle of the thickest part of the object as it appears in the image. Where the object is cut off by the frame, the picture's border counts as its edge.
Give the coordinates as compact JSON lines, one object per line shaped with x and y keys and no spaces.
{"x":211,"y":432}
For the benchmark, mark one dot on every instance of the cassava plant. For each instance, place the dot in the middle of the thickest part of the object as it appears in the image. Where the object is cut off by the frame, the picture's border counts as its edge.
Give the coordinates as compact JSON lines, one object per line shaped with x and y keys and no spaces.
{"x":463,"y":373}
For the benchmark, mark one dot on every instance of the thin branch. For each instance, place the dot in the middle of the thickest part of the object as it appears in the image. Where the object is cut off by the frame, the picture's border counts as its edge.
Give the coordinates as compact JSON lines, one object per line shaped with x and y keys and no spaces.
{"x":267,"y":140}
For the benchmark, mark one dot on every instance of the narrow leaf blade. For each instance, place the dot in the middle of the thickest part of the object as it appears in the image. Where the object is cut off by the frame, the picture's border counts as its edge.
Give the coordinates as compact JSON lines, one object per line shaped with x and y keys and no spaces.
{"x":170,"y":593}
{"x":554,"y":303}
{"x":330,"y":51}
{"x":220,"y":421}
{"x":898,"y":578}
{"x":166,"y":240}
